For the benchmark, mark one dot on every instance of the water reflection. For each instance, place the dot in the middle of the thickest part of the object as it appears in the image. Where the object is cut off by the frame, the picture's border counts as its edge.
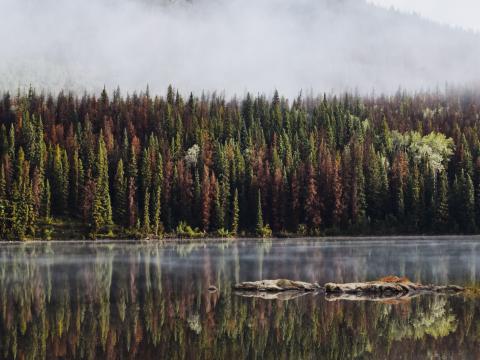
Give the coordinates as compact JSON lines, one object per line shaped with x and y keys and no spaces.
{"x":148,"y":301}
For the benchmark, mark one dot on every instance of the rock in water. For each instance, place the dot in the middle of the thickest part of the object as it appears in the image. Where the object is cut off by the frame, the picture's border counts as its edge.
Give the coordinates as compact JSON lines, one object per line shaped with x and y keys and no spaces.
{"x":274,"y":295}
{"x":276,"y":285}
{"x":391,"y":285}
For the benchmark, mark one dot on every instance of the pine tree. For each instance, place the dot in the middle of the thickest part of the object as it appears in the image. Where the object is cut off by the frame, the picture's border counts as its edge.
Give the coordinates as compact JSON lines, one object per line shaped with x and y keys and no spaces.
{"x":469,"y":204}
{"x":132,"y":204}
{"x":259,"y":227}
{"x":218,"y":215}
{"x":46,"y":201}
{"x":157,"y":208}
{"x":120,"y":195}
{"x":76,"y":182}
{"x":102,"y":208}
{"x":58,"y":186}
{"x":3,"y":183}
{"x":206,"y":199}
{"x":145,"y":175}
{"x":312,"y":205}
{"x":235,"y":213}
{"x":156,"y":202}
{"x":338,"y":207}
{"x":146,"y":213}
{"x":65,"y":181}
{"x":441,"y":203}
{"x":412,"y":198}
{"x":11,"y":143}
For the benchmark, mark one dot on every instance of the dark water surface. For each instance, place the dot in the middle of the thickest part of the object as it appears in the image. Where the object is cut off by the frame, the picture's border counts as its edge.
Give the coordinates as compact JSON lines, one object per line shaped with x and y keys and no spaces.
{"x":150,"y":301}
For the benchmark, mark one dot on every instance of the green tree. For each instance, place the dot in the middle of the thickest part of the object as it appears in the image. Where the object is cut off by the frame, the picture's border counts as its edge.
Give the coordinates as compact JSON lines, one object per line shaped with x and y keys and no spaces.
{"x":259,"y":227}
{"x":441,"y":202}
{"x":146,"y":213}
{"x":46,"y":201}
{"x":235,"y":213}
{"x":120,"y":195}
{"x":102,"y":208}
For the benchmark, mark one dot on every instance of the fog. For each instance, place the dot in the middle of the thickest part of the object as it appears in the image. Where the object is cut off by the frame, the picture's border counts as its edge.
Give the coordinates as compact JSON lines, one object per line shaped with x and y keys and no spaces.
{"x":228,"y":46}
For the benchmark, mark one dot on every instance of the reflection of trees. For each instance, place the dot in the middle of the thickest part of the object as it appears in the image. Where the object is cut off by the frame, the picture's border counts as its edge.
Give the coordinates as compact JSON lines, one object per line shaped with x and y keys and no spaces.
{"x":149,"y":302}
{"x":434,"y":320}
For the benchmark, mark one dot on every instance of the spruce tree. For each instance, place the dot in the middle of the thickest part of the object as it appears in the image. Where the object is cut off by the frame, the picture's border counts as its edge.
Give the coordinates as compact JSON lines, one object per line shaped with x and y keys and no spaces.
{"x":235,"y":213}
{"x":58,"y":186}
{"x":157,"y":209}
{"x":102,"y":208}
{"x":469,"y":204}
{"x":146,"y":213}
{"x":218,"y":220}
{"x":46,"y":201}
{"x":441,"y":203}
{"x":120,"y":194}
{"x":259,"y":226}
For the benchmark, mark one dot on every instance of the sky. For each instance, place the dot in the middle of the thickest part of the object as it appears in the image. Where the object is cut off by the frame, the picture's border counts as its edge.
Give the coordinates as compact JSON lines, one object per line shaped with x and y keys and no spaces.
{"x":462,"y":13}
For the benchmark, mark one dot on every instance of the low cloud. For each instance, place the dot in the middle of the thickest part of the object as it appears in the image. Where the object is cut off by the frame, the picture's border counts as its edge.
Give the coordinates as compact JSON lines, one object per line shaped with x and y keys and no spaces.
{"x":229,"y":45}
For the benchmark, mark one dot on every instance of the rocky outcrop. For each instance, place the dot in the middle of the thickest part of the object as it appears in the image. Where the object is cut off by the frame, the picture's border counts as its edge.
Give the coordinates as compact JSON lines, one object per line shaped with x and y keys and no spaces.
{"x":278,"y":285}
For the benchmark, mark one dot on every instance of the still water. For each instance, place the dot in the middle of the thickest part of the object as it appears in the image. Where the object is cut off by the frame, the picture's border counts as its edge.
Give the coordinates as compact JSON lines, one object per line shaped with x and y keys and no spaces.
{"x":125,"y":300}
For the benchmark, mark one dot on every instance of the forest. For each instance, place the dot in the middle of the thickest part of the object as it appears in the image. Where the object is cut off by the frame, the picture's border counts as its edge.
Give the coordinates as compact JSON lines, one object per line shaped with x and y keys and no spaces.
{"x":142,"y":166}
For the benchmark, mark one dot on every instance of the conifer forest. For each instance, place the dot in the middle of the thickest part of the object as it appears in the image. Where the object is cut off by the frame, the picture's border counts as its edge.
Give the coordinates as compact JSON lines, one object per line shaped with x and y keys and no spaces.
{"x":115,"y":165}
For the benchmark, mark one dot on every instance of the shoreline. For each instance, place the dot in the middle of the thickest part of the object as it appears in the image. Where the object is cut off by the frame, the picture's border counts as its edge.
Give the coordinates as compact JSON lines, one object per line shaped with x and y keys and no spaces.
{"x":320,"y":239}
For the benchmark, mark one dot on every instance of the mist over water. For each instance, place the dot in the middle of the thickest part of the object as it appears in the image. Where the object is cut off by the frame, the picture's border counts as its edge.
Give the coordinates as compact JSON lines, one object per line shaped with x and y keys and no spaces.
{"x":229,"y":45}
{"x":148,"y":300}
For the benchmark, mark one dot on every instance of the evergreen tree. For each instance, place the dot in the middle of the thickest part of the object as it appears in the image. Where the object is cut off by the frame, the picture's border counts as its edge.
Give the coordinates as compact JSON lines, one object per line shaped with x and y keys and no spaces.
{"x":146,"y":213}
{"x":58,"y":186}
{"x":469,"y":204}
{"x":218,"y":215}
{"x":206,"y":199}
{"x":235,"y":214}
{"x":312,"y":205}
{"x":441,"y":203}
{"x":46,"y":201}
{"x":120,"y":195}
{"x":102,"y":209}
{"x":259,"y":227}
{"x":157,"y":225}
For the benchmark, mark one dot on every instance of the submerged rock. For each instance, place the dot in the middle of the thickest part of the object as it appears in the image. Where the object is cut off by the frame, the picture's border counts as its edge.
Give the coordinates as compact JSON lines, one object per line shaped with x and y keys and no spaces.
{"x":276,"y":286}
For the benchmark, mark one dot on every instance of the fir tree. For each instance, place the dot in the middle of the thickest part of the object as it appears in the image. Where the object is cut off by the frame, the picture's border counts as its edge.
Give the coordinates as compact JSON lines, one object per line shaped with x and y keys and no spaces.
{"x":146,"y":213}
{"x":259,"y":226}
{"x":441,"y":202}
{"x":120,"y":195}
{"x":46,"y":201}
{"x":102,"y":209}
{"x":235,"y":214}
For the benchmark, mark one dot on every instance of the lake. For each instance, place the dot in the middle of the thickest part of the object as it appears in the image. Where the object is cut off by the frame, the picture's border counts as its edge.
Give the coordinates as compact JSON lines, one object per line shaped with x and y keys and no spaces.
{"x":148,"y":300}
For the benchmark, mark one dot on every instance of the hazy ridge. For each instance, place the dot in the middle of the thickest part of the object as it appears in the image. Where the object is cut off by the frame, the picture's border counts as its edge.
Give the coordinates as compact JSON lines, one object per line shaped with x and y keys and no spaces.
{"x":229,"y":45}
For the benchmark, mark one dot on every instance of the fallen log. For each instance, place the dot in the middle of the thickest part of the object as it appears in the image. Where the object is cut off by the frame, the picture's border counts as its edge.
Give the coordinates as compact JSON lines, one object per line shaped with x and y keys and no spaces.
{"x":388,"y":286}
{"x":280,"y":295}
{"x":388,"y":289}
{"x":276,"y":286}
